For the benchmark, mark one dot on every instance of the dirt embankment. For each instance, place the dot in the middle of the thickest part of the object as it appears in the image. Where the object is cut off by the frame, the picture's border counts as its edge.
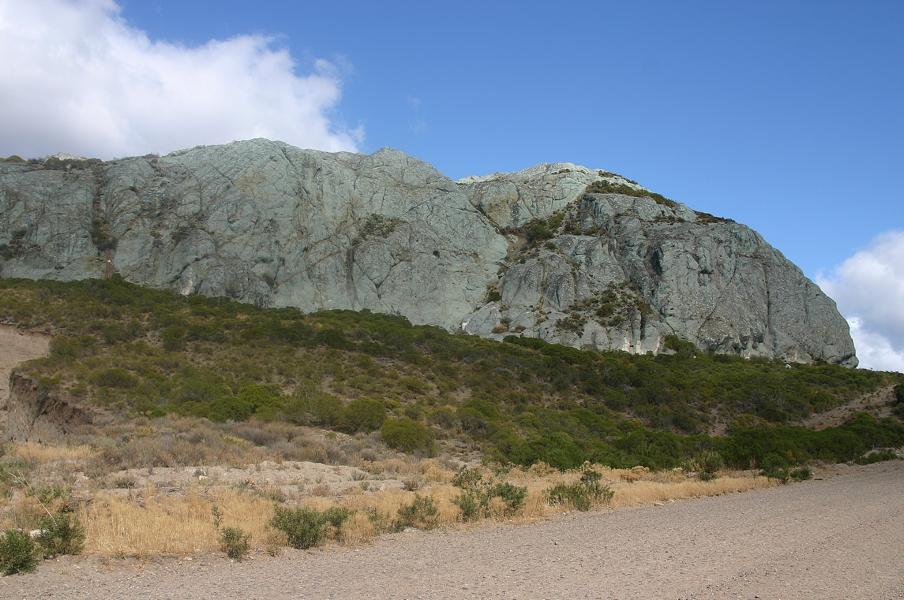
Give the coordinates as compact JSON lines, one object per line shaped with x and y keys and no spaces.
{"x":26,"y":410}
{"x":17,"y":347}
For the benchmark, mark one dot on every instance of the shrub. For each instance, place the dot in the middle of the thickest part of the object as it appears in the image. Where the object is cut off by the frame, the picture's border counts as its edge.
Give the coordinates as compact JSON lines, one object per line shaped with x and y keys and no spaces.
{"x":18,"y":553}
{"x":512,"y":495}
{"x":607,"y":187}
{"x":313,"y":407}
{"x":470,"y":504}
{"x":114,"y":378}
{"x":474,"y":501}
{"x":60,"y":534}
{"x":304,"y":527}
{"x":467,"y":478}
{"x":540,"y":230}
{"x":604,"y":407}
{"x":420,"y":514}
{"x":362,"y":414}
{"x":173,"y":338}
{"x":336,"y":516}
{"x":876,"y":456}
{"x":707,"y":463}
{"x":776,"y":467}
{"x":235,"y":543}
{"x":229,"y":408}
{"x":801,"y":474}
{"x":584,"y":494}
{"x":408,"y":436}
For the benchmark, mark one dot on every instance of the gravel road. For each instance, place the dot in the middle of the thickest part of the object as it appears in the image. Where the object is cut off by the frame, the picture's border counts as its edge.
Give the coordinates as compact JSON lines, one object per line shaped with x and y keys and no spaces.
{"x":842,"y":537}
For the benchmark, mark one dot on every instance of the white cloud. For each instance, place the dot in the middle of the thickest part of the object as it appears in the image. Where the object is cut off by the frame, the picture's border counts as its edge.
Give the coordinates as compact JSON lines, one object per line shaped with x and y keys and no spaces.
{"x":869,"y":290}
{"x":76,"y":78}
{"x":874,"y":350}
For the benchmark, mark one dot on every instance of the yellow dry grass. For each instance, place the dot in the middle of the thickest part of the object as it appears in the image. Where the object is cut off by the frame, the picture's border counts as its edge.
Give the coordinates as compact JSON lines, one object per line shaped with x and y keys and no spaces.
{"x":156,"y":524}
{"x":648,"y":492}
{"x":42,"y":453}
{"x":149,"y":523}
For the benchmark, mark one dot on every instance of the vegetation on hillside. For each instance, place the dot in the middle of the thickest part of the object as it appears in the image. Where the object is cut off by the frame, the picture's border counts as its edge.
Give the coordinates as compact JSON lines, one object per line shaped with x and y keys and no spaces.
{"x":142,"y":352}
{"x":608,"y":187}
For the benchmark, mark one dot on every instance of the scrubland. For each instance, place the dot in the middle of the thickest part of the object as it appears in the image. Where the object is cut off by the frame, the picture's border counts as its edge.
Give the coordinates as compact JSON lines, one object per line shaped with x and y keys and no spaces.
{"x":150,"y":511}
{"x":218,"y":426}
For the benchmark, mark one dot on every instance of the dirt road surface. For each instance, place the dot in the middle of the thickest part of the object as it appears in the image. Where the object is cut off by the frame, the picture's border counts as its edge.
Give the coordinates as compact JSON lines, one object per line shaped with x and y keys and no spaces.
{"x":842,"y":537}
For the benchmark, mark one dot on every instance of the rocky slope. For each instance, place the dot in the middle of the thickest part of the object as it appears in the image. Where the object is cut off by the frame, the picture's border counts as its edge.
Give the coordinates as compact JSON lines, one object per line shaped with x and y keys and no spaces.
{"x":560,"y":252}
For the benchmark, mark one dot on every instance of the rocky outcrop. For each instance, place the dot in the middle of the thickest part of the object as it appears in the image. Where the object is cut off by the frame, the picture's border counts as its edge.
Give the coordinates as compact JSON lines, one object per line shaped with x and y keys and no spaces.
{"x":568,"y":254}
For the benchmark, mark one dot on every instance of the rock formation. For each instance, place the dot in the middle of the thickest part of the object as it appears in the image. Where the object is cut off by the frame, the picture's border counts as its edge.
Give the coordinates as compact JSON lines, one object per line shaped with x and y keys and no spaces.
{"x":564,"y":253}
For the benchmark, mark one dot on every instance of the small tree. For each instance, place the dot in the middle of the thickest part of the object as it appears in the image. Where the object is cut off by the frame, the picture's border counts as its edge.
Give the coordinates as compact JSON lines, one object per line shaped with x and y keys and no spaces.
{"x":18,"y":552}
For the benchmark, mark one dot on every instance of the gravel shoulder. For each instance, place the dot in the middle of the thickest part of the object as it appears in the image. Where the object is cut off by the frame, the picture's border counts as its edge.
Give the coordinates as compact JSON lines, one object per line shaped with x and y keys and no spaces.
{"x":840,"y":537}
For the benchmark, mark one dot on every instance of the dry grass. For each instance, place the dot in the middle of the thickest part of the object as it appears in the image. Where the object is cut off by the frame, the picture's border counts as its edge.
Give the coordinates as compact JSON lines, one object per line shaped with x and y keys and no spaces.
{"x":149,"y":523}
{"x":650,"y":492}
{"x":170,"y":513}
{"x":42,"y":454}
{"x":160,"y":524}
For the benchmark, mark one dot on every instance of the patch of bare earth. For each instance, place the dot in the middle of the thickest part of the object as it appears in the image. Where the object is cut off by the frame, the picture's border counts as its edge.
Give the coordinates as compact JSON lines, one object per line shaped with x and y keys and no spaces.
{"x":877,"y":403}
{"x":17,"y":347}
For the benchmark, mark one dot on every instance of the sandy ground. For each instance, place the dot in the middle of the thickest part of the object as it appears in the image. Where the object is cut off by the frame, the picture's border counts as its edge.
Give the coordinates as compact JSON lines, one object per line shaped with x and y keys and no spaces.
{"x":841,"y":537}
{"x":17,"y":347}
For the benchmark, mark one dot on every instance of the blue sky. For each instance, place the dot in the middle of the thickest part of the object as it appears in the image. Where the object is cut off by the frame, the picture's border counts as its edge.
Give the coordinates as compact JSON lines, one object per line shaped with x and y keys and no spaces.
{"x":786,"y":116}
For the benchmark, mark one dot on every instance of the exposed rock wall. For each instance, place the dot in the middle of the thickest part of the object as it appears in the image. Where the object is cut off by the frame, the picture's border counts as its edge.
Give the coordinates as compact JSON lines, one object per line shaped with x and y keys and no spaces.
{"x":267,"y":223}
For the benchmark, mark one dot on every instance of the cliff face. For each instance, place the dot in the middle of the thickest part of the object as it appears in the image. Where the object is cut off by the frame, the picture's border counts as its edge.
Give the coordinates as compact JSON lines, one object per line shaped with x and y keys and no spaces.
{"x":561,"y":252}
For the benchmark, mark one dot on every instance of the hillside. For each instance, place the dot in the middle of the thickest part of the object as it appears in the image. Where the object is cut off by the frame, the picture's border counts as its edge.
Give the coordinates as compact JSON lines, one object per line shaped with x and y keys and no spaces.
{"x":570,"y":255}
{"x":123,"y":352}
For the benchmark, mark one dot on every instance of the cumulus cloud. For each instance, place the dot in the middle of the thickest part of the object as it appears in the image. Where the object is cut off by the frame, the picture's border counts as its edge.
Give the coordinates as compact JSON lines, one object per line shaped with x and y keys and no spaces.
{"x":869,"y":290}
{"x":77,"y":78}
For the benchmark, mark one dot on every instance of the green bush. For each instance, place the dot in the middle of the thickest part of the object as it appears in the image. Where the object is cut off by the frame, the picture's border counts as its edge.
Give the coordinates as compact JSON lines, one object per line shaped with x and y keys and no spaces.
{"x":707,"y":463}
{"x":304,"y":527}
{"x":336,"y":516}
{"x":18,"y":553}
{"x":471,"y":505}
{"x":801,"y":474}
{"x":606,"y":187}
{"x":114,"y":378}
{"x":467,"y":478}
{"x":474,"y":501}
{"x":408,"y":436}
{"x":540,"y":230}
{"x":228,"y":408}
{"x":235,"y":543}
{"x":512,"y":495}
{"x":583,"y":495}
{"x":420,"y":514}
{"x":362,"y":414}
{"x":605,"y":407}
{"x":173,"y":338}
{"x":60,"y":534}
{"x":313,"y":407}
{"x":877,"y":456}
